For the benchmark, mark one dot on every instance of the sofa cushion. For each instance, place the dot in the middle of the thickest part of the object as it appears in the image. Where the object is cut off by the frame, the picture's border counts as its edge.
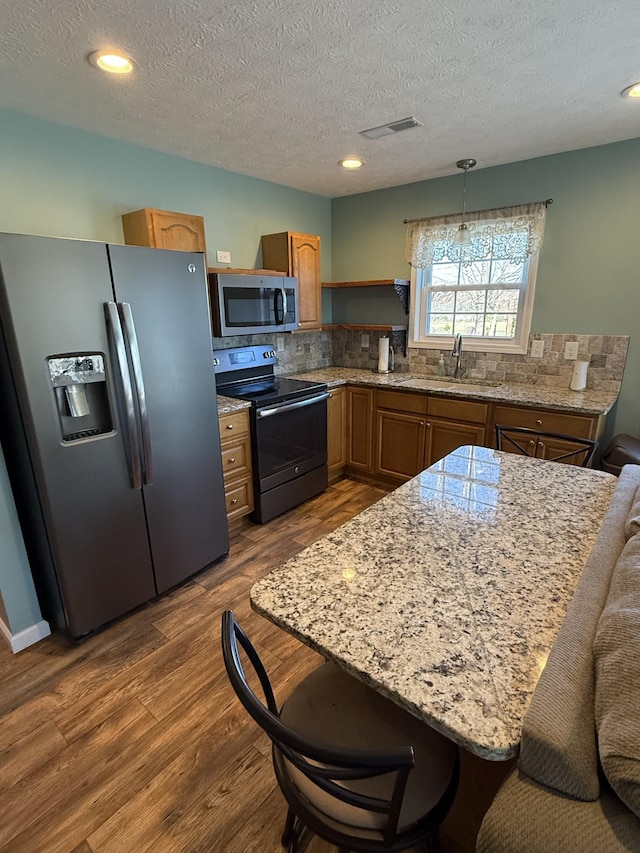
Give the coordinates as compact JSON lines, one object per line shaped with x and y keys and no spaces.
{"x":528,"y":818}
{"x":617,"y":694}
{"x":559,"y":747}
{"x":632,"y":524}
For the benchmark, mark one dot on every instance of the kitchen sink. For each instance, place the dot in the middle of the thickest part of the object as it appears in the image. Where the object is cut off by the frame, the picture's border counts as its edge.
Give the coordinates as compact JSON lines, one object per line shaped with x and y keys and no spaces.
{"x":434,"y":383}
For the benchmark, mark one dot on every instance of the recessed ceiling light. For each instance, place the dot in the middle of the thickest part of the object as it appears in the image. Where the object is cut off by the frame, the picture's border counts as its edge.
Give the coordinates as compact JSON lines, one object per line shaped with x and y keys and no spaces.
{"x":351,"y":163}
{"x":632,"y":91}
{"x":115,"y":63}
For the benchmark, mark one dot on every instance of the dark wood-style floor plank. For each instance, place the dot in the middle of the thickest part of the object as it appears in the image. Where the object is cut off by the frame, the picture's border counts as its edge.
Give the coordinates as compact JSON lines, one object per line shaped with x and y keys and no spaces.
{"x":134,"y":739}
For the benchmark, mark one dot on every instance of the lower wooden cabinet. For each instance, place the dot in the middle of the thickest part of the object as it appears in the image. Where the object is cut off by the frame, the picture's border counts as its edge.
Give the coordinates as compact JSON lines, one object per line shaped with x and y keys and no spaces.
{"x":444,"y":437}
{"x":452,"y":424}
{"x":235,"y":447}
{"x":544,"y":447}
{"x":392,"y":435}
{"x":359,"y":429}
{"x":336,"y":431}
{"x":412,"y":431}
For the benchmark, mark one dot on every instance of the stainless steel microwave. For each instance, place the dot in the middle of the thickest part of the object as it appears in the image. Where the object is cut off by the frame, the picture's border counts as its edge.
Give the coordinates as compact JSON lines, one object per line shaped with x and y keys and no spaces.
{"x":250,"y":304}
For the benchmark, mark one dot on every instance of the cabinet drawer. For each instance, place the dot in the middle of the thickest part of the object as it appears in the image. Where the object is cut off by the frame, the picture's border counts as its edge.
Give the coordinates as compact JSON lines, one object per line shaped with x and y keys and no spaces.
{"x":236,"y":458}
{"x":234,"y":424}
{"x":581,"y":426}
{"x":458,"y":410}
{"x":239,"y":499}
{"x":401,"y":401}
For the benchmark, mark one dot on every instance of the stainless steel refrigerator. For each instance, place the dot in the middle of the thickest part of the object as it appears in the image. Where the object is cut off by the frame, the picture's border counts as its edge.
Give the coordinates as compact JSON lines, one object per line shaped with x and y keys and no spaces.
{"x":109,"y":422}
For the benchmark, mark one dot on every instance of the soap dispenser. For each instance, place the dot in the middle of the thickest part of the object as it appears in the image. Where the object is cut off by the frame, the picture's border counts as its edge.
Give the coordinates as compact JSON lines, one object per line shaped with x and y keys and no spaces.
{"x":441,"y":368}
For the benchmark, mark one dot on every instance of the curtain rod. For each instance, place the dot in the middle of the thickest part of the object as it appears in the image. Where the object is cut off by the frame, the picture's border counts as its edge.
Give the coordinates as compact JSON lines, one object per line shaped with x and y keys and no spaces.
{"x":546,"y":202}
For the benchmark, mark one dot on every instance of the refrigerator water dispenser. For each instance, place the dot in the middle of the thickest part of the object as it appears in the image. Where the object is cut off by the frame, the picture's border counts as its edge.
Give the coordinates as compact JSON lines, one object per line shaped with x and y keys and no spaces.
{"x":80,"y":389}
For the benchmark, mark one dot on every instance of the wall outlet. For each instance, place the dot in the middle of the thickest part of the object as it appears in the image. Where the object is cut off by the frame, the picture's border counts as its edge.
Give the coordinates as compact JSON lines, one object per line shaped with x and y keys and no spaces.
{"x":571,"y":350}
{"x":223,"y":257}
{"x":364,"y":341}
{"x":280,"y":343}
{"x":537,"y":349}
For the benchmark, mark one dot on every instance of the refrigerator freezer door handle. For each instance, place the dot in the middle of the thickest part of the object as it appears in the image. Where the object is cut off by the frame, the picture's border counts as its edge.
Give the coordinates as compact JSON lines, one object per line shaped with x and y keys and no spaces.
{"x":134,"y":351}
{"x":113,"y":323}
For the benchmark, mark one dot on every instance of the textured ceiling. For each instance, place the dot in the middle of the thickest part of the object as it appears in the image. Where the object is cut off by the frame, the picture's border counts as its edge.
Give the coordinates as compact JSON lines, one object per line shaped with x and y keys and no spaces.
{"x":278,"y":89}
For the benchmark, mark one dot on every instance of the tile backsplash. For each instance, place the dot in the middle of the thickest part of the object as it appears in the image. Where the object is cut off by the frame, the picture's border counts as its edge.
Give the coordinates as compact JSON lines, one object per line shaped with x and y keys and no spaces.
{"x":302,"y":350}
{"x":343,"y":348}
{"x":606,"y":354}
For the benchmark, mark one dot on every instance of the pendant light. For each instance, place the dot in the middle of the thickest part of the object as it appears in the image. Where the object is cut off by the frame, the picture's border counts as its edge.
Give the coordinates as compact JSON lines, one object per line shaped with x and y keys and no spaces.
{"x":463,"y":237}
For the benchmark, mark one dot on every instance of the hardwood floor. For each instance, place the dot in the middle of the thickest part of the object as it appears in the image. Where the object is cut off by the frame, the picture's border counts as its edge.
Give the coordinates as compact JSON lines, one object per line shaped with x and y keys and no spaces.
{"x":134,"y":740}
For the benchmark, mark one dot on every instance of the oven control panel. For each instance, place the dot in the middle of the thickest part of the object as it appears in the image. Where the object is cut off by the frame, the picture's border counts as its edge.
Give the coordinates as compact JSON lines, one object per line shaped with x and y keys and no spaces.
{"x":242,"y":358}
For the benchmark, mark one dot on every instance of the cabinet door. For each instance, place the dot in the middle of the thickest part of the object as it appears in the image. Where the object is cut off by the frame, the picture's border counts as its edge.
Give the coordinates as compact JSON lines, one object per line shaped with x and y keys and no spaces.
{"x":359,"y":422}
{"x":399,"y":444}
{"x":337,"y":430}
{"x":305,"y":266}
{"x":179,"y":231}
{"x":164,"y":229}
{"x":443,"y":437}
{"x":551,"y":448}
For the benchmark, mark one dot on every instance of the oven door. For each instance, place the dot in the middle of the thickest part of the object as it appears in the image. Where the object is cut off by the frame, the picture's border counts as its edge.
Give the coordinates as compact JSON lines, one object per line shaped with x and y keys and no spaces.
{"x":290,"y":439}
{"x":243,"y":304}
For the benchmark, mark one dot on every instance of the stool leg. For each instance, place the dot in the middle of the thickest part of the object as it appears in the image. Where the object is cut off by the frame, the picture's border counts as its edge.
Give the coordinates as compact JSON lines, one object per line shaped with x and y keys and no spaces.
{"x":288,"y":828}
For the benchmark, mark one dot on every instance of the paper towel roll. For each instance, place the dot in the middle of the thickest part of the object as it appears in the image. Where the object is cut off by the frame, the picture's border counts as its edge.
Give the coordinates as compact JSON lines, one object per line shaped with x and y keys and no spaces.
{"x":579,"y":376}
{"x":383,"y":355}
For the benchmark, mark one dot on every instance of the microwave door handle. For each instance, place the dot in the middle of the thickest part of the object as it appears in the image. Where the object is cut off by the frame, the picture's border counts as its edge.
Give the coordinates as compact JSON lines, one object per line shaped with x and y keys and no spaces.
{"x":284,"y":306}
{"x":113,"y":324}
{"x":275,"y":307}
{"x":136,"y":364}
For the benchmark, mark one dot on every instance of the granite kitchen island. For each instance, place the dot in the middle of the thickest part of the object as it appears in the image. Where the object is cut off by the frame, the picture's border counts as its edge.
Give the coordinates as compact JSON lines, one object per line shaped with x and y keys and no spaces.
{"x":447,"y":594}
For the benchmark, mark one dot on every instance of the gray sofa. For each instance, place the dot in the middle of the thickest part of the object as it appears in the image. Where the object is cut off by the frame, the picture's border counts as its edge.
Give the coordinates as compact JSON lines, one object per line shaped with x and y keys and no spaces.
{"x":577,"y":783}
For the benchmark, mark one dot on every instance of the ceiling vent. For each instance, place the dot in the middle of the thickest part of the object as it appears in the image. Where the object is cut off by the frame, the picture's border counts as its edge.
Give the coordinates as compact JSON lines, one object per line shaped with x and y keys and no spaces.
{"x":392,"y":127}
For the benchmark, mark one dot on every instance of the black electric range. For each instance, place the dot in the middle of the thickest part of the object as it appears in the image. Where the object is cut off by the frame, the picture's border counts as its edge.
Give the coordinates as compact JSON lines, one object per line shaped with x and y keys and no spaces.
{"x":288,"y":428}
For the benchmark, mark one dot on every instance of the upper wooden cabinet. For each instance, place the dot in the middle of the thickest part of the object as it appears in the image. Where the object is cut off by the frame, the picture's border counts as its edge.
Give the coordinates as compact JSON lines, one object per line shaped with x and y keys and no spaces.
{"x":164,"y":229}
{"x":298,"y":255}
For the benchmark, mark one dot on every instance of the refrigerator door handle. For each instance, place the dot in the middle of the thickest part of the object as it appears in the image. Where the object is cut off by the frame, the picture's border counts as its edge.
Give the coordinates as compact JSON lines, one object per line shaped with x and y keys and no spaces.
{"x":113,"y":323}
{"x":132,"y":340}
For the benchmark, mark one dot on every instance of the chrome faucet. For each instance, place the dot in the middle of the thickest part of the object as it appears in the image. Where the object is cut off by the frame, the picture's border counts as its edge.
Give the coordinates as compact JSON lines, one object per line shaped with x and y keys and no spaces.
{"x":457,"y":354}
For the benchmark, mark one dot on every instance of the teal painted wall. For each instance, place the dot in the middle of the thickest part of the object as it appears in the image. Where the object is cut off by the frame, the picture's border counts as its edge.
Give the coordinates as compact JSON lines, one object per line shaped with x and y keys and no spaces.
{"x":588,"y":274}
{"x":65,"y":183}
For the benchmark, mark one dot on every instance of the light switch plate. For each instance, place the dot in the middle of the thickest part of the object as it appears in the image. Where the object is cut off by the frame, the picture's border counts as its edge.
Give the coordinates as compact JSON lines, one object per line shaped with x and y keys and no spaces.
{"x":223,"y":257}
{"x":280,"y":343}
{"x":537,"y":349}
{"x":364,"y":341}
{"x":571,"y":350}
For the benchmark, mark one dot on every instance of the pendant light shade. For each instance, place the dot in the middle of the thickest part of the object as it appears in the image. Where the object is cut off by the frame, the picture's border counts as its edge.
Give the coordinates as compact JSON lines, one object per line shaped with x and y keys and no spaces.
{"x":463,"y":237}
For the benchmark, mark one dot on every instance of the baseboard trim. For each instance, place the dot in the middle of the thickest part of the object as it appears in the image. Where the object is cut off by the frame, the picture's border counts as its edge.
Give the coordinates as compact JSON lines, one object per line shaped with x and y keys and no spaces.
{"x":25,"y":638}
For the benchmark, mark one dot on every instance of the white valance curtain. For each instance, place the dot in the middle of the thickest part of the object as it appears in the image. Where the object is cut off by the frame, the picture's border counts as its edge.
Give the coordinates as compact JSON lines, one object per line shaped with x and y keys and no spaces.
{"x":507,"y":233}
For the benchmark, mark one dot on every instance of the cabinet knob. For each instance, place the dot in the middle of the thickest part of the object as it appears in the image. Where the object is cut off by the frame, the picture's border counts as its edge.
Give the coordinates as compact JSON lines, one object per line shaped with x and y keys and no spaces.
{"x":532,"y":441}
{"x":541,"y":444}
{"x":421,"y":423}
{"x":234,"y":501}
{"x":539,"y":421}
{"x":229,"y":426}
{"x":428,"y":425}
{"x":232,"y":459}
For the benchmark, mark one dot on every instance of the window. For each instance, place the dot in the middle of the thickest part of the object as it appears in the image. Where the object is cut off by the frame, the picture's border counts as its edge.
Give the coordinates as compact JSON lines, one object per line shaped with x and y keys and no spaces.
{"x":483,"y":291}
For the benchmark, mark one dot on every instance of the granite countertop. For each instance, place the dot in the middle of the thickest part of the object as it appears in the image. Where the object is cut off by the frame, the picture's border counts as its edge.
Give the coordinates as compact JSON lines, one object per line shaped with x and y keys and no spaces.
{"x":227,"y":405}
{"x":447,"y":594}
{"x":579,"y":402}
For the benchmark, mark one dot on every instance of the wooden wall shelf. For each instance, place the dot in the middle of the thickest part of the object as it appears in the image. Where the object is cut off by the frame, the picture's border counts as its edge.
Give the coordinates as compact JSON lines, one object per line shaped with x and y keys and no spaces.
{"x":365,"y":326}
{"x":377,"y":282}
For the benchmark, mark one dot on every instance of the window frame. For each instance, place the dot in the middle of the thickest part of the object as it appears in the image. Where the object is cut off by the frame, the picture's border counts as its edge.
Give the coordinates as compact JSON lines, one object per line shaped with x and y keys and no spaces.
{"x":475,"y":343}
